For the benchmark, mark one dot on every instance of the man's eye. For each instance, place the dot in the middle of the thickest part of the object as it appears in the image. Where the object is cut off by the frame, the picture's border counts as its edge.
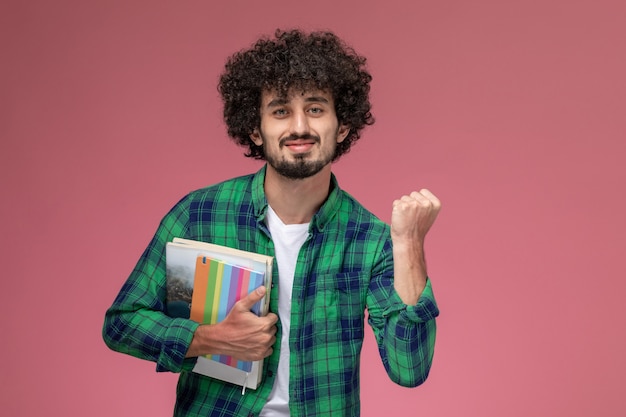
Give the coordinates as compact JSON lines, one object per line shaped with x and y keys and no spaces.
{"x":280,"y":112}
{"x":316,"y":110}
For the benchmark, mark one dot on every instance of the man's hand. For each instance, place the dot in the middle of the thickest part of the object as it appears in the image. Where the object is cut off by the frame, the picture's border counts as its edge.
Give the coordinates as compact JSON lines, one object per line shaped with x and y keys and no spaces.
{"x":411,"y":219}
{"x":242,"y":334}
{"x":413,"y":215}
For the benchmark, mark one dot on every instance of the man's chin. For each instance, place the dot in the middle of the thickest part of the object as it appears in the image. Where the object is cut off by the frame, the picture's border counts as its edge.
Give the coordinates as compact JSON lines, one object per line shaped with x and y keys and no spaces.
{"x":298,"y":170}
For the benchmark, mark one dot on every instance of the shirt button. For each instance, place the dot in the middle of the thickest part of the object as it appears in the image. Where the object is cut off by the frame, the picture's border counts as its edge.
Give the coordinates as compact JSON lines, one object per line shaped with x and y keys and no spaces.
{"x":270,"y":373}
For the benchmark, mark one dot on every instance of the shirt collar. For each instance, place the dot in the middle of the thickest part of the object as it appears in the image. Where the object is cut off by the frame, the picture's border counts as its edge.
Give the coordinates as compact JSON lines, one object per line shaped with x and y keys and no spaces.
{"x":319,"y":221}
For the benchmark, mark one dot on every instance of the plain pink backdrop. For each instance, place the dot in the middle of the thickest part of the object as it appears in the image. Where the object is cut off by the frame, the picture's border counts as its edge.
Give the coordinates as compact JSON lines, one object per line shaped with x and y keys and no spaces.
{"x":512,"y":112}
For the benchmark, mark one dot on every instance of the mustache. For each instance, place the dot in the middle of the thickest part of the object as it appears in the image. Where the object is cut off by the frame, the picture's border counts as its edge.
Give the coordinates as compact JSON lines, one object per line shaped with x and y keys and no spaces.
{"x":306,"y":136}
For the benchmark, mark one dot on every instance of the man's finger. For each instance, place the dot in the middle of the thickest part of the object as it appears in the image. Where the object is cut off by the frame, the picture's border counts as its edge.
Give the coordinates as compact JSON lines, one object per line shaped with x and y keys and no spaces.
{"x":420,"y":198}
{"x":430,"y":196}
{"x":255,"y":296}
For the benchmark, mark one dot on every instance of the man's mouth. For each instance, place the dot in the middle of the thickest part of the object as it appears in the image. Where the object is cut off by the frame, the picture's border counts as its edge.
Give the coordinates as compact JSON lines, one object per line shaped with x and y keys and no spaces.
{"x":299,"y":144}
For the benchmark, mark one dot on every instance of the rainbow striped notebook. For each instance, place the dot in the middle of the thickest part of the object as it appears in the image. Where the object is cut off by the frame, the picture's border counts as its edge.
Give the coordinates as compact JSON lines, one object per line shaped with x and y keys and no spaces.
{"x":204,"y":281}
{"x":217,"y":286}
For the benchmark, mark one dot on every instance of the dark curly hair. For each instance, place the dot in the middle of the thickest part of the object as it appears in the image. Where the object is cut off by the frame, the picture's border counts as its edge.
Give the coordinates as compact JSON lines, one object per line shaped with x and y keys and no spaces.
{"x":300,"y":61}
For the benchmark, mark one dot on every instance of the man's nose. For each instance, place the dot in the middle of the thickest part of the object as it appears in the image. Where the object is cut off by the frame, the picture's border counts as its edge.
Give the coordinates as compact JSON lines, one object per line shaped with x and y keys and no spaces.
{"x":299,"y":123}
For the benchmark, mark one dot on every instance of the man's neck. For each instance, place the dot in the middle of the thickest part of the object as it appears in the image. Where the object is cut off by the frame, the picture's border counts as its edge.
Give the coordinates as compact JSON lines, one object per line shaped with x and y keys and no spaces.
{"x":296,"y":201}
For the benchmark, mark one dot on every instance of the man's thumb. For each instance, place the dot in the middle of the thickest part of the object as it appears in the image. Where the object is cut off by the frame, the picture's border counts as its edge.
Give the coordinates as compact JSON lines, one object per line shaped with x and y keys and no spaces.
{"x":255,"y":296}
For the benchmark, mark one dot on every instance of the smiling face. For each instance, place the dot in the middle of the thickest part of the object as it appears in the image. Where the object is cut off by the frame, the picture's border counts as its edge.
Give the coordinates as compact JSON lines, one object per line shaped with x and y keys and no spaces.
{"x":299,"y":133}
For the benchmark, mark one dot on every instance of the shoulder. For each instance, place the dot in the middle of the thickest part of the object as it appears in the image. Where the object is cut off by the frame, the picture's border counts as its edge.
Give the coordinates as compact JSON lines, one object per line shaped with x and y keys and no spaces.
{"x":229,"y":190}
{"x":215,"y":197}
{"x":360,"y":217}
{"x":241,"y":183}
{"x":209,"y":213}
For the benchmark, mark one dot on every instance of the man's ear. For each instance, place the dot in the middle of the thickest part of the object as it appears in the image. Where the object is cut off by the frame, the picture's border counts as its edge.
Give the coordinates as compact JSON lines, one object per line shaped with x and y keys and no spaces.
{"x":342,"y":133}
{"x":255,"y":136}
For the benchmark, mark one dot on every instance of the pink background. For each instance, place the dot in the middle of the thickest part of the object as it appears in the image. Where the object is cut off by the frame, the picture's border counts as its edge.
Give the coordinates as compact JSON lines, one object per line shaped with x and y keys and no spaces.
{"x":512,"y":112}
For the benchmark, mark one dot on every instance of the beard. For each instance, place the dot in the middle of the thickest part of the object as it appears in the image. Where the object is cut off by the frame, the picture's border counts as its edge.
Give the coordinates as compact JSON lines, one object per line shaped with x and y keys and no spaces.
{"x":300,"y":167}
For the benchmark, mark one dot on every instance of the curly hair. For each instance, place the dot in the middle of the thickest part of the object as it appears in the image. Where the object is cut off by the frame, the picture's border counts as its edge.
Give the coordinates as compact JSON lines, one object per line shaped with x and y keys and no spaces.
{"x":294,"y":60}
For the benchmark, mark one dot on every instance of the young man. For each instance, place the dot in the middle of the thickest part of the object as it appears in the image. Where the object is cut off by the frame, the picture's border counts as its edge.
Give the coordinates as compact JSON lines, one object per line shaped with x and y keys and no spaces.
{"x":298,"y":101}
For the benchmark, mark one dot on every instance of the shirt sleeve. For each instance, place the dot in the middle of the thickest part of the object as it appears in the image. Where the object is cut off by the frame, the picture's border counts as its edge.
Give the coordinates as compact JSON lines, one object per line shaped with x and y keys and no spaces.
{"x":405,"y":334}
{"x":136,"y":322}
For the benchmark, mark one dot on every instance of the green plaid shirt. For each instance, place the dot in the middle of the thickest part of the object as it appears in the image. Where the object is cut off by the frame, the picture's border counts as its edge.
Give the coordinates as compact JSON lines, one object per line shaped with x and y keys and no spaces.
{"x":344,"y":267}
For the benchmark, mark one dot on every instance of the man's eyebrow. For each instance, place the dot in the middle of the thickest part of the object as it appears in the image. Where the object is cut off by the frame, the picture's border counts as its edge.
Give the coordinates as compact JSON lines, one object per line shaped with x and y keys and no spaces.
{"x":278,"y":101}
{"x":281,"y":101}
{"x":317,"y":99}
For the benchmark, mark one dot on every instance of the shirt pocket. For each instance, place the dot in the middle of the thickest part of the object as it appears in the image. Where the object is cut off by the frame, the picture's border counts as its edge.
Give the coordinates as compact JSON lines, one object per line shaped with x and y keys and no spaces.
{"x":339,"y":308}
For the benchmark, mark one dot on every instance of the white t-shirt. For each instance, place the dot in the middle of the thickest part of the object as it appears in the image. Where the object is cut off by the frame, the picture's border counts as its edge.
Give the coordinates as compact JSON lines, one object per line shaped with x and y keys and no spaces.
{"x":288,"y":239}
